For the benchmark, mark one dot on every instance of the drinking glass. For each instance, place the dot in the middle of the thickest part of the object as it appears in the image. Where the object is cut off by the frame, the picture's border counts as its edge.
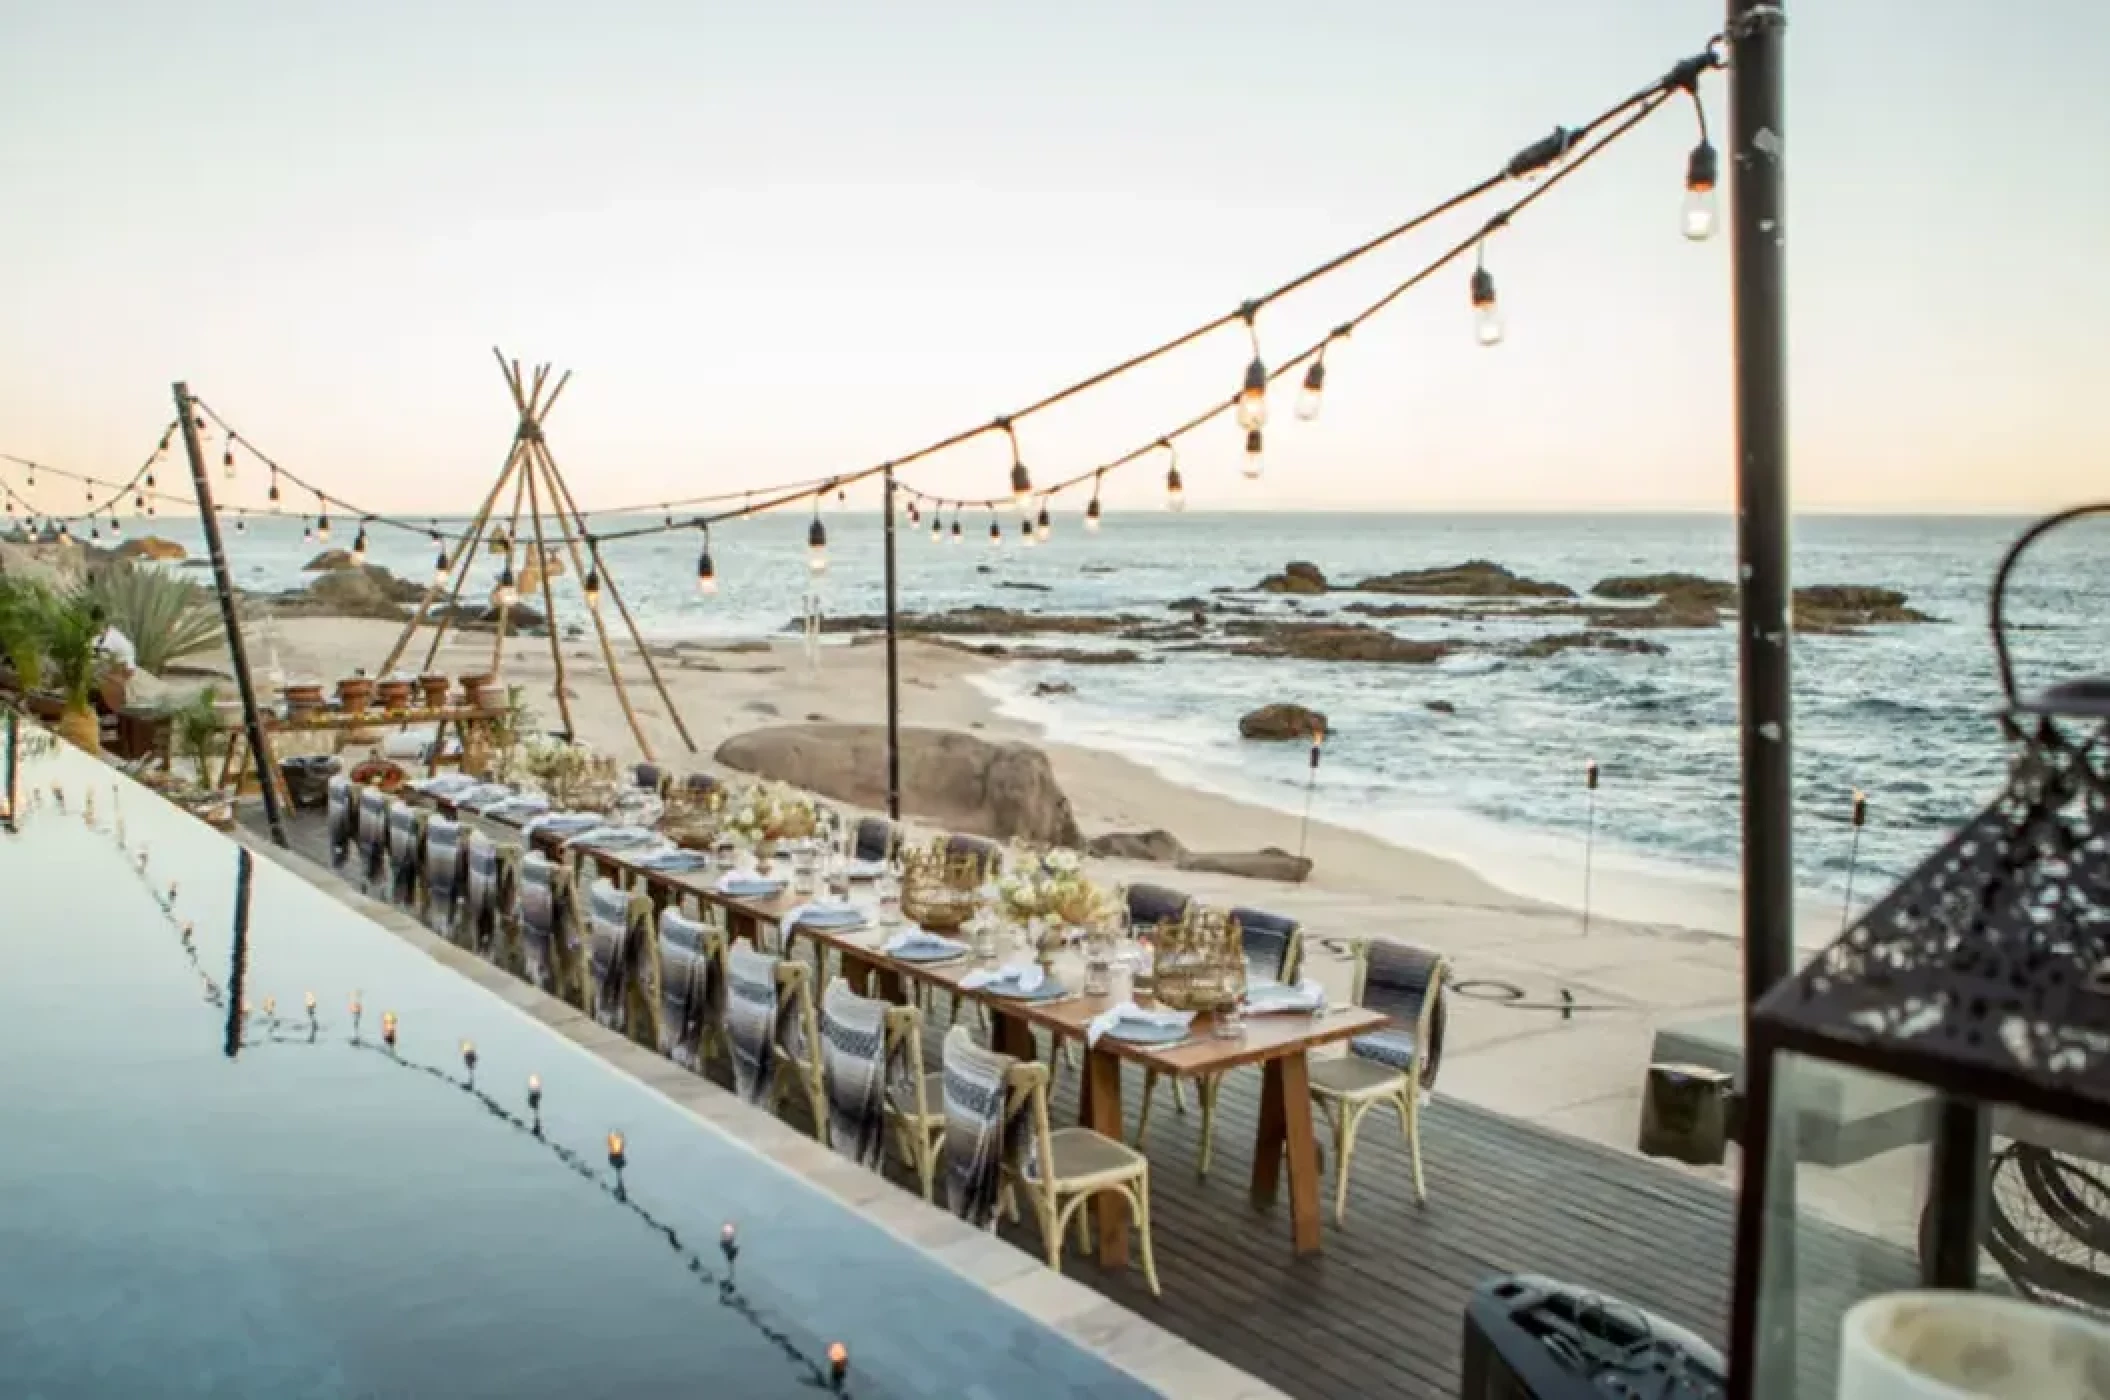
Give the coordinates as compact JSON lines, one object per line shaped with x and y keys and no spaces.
{"x":888,"y":888}
{"x":802,"y":872}
{"x":838,"y":878}
{"x":1230,"y":1021}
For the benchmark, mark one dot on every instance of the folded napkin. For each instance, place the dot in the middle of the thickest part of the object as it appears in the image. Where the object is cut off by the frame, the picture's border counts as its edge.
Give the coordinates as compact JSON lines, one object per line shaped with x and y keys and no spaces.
{"x":610,"y":838}
{"x":865,"y":869}
{"x":1024,"y":978}
{"x":447,"y":784}
{"x":917,"y":940}
{"x":1131,"y":1014}
{"x":485,"y":796}
{"x":674,"y":861}
{"x":563,"y":823}
{"x":739,"y":885}
{"x":823,"y":915}
{"x":1269,"y":998}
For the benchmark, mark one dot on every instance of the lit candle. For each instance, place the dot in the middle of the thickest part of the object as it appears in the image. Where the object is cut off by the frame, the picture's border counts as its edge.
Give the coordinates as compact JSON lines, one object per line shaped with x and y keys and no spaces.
{"x":469,"y":1055}
{"x":311,"y":1003}
{"x":271,"y":1006}
{"x":616,"y":1158}
{"x":388,"y":1029}
{"x":838,"y":1362}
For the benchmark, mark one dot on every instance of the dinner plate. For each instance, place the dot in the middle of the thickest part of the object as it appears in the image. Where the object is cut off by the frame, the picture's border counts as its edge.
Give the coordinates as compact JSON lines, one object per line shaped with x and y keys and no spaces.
{"x":758,"y":889}
{"x":1046,"y":991}
{"x":928,"y":953}
{"x":1145,"y":1033}
{"x":833,"y":916}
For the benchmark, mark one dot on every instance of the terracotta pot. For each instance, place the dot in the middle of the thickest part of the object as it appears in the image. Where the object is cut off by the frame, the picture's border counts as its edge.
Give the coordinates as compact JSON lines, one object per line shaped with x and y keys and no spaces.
{"x":435,"y":687}
{"x":491,"y":695}
{"x":82,"y":729}
{"x":354,"y":693}
{"x":472,"y":683}
{"x":44,"y":705}
{"x":395,"y":695}
{"x":303,"y":697}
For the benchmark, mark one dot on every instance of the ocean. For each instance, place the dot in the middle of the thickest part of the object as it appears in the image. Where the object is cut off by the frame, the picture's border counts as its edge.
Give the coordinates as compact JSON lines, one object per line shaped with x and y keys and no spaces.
{"x":1903,"y":714}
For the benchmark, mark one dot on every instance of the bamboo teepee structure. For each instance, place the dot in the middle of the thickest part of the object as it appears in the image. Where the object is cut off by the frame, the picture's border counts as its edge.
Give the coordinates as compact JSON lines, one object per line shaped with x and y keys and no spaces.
{"x":540,"y":490}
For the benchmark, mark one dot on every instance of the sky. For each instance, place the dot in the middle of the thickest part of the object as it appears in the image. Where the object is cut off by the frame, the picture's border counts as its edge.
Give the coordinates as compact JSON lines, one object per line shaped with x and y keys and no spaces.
{"x":778,"y":241}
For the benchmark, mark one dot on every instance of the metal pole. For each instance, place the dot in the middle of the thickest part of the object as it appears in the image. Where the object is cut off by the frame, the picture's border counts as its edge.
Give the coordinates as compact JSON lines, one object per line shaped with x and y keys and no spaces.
{"x":252,"y":719}
{"x":893,"y":668}
{"x":1958,"y":1183}
{"x":1762,"y":1349}
{"x":13,"y":748}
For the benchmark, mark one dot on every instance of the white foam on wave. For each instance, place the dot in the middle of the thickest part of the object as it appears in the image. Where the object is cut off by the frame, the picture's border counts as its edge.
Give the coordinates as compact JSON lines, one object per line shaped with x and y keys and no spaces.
{"x":1532,"y":864}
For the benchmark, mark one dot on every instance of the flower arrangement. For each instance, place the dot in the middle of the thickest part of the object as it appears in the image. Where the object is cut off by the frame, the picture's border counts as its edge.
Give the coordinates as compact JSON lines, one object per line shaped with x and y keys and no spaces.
{"x":1051,"y":887}
{"x":762,"y":812}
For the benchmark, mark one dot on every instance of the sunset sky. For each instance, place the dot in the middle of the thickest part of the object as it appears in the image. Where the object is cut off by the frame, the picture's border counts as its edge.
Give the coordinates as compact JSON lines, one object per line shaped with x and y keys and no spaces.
{"x":776,"y":241}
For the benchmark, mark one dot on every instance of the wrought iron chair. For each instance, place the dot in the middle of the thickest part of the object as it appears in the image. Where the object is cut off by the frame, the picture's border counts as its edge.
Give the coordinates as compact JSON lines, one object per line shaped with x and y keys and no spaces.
{"x":772,"y":1031}
{"x":1061,"y":1170}
{"x":406,"y":831}
{"x":1274,"y":952}
{"x":618,"y":932}
{"x":1393,"y":1065}
{"x":441,"y":895}
{"x":687,"y":960}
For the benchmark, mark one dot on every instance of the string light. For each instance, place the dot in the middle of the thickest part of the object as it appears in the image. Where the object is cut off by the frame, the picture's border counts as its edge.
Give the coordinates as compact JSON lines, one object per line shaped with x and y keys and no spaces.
{"x":505,"y":595}
{"x":1091,"y":511}
{"x":937,"y":525}
{"x":1043,"y":527}
{"x":359,"y":547}
{"x":1021,"y":479}
{"x":956,"y":536}
{"x":817,"y":542}
{"x":307,"y":531}
{"x":227,"y":460}
{"x":707,"y":575}
{"x":1025,"y":534}
{"x":1255,"y":455}
{"x":1175,"y":491}
{"x":1487,"y":313}
{"x":1700,"y":171}
{"x":996,"y":536}
{"x":593,"y":576}
{"x":273,"y":496}
{"x":1312,"y":399}
{"x":1252,"y":399}
{"x":322,"y":524}
{"x":440,"y":566}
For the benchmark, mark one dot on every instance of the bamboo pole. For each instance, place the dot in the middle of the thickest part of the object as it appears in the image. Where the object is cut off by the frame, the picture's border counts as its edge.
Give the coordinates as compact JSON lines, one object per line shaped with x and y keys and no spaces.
{"x":539,"y":455}
{"x":476,"y":529}
{"x":549,"y":597}
{"x":608,"y":583}
{"x":505,"y":610}
{"x":464,"y":564}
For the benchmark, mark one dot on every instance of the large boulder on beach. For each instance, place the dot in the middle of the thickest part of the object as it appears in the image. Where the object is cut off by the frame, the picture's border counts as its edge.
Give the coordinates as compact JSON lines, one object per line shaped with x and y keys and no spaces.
{"x":1281,"y":721}
{"x":330,"y":560}
{"x":1155,"y":845}
{"x":1268,"y":863}
{"x":152,"y":547}
{"x":959,"y":781}
{"x":1296,"y":577}
{"x":368,"y":591}
{"x":1475,"y":578}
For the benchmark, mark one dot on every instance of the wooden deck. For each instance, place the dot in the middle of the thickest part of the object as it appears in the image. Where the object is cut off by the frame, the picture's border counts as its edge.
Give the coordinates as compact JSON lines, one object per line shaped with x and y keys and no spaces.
{"x":1381,"y":1311}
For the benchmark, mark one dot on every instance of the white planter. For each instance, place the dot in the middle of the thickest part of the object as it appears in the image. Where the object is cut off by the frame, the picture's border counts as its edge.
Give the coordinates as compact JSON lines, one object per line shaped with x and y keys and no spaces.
{"x":1948,"y":1345}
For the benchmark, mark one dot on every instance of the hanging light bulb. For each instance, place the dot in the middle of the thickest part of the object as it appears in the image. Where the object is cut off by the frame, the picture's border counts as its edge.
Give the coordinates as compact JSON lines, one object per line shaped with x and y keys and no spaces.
{"x":241,"y":525}
{"x":706,"y":572}
{"x":937,"y":529}
{"x":1252,"y":398}
{"x":956,"y":537}
{"x":322,"y":526}
{"x":1043,"y":527}
{"x":94,"y":533}
{"x":439,"y":567}
{"x":593,"y":582}
{"x":1175,"y":489}
{"x":996,"y":535}
{"x":1312,"y":398}
{"x":1701,"y":169}
{"x":1255,"y":454}
{"x":1021,"y":479}
{"x":274,"y":486}
{"x":116,"y":527}
{"x":1487,"y":312}
{"x":307,"y":531}
{"x":65,"y":535}
{"x":817,"y":543}
{"x":359,"y":547}
{"x":1026,"y":536}
{"x":150,"y":481}
{"x":1091,"y":511}
{"x":506,"y":594}
{"x":227,"y":461}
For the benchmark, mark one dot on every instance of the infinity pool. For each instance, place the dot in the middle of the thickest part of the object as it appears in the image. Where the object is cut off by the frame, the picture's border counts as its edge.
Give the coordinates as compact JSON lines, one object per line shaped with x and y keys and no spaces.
{"x":194,"y":1202}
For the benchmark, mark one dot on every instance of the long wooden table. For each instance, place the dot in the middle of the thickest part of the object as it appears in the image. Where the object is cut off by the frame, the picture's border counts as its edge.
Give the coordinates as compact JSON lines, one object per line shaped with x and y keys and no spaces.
{"x":1280,"y":1045}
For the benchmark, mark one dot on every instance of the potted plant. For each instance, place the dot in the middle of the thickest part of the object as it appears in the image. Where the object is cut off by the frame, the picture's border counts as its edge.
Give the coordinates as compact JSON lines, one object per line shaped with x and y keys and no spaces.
{"x":195,"y":729}
{"x":25,"y":609}
{"x":73,"y":629}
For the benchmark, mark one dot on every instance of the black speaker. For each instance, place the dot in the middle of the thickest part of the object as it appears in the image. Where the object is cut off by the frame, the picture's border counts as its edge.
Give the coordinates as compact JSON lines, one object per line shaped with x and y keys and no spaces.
{"x":1530,"y":1338}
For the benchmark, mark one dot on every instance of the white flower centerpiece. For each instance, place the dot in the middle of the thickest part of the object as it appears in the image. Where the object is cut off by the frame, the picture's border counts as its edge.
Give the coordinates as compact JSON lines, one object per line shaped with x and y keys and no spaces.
{"x":1048,"y":896}
{"x":760,"y":815}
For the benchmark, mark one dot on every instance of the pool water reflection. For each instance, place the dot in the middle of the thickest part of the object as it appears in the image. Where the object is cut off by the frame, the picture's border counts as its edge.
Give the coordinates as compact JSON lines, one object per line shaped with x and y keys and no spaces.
{"x":198,"y":1201}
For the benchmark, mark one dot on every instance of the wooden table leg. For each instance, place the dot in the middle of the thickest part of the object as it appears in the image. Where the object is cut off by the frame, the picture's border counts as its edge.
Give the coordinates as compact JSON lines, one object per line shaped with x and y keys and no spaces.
{"x":1102,"y":1089}
{"x":1285,"y":1129}
{"x":1008,"y":1035}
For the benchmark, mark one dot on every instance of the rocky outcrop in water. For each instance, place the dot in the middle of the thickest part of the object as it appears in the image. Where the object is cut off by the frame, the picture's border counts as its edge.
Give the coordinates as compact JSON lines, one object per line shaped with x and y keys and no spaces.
{"x":1298,"y":576}
{"x":978,"y":620}
{"x":1281,"y":721}
{"x":962,"y":782}
{"x":1332,"y":641}
{"x":1675,"y":589}
{"x":1558,"y":642}
{"x":1475,"y":578}
{"x":152,"y":547}
{"x":1842,"y":610}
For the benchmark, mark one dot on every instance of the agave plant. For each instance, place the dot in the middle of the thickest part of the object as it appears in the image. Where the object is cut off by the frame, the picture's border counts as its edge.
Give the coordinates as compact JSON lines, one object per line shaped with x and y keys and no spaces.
{"x":167,"y":619}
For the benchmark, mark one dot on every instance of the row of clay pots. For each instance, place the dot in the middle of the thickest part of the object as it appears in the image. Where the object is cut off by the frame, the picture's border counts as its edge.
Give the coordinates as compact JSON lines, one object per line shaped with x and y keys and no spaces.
{"x":356,"y":694}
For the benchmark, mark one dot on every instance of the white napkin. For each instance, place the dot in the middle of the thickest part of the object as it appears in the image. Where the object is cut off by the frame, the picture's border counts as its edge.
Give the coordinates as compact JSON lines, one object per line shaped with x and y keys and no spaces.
{"x":616,"y":837}
{"x":865,"y":869}
{"x":1136,"y":1015}
{"x":1023,"y":977}
{"x":916,"y":939}
{"x":1270,"y":998}
{"x":745,"y":882}
{"x":560,"y":822}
